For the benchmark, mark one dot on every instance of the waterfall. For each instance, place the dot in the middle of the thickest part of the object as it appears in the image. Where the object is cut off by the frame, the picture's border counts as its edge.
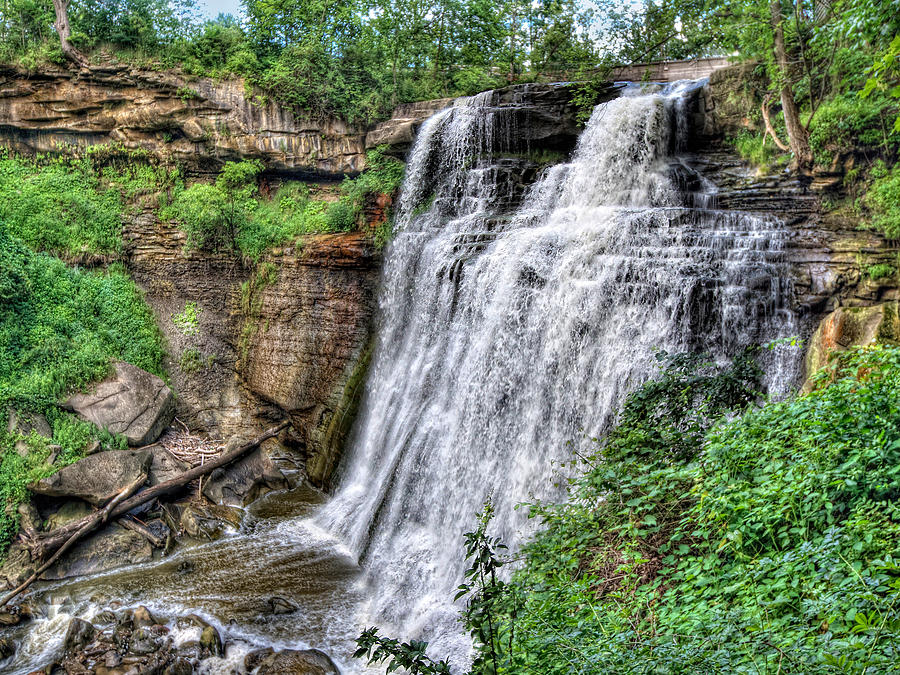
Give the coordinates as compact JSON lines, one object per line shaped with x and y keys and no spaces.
{"x":514,"y":320}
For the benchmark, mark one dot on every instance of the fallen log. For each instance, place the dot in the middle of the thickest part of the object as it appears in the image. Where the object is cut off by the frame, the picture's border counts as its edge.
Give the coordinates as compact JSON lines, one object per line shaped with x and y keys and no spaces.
{"x":89,"y":523}
{"x":45,"y":544}
{"x":143,"y":530}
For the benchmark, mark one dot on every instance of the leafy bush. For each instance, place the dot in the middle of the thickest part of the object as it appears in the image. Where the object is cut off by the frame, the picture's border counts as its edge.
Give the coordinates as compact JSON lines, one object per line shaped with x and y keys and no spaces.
{"x":213,"y":216}
{"x":230,"y":214}
{"x":60,"y":207}
{"x":850,"y":123}
{"x":59,"y":329}
{"x":882,"y":199}
{"x":879,"y":271}
{"x":755,"y":148}
{"x":772,"y":541}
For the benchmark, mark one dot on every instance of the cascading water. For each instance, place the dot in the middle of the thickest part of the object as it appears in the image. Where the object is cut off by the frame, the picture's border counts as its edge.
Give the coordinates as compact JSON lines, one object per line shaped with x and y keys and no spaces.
{"x":508,"y":336}
{"x":513,"y":323}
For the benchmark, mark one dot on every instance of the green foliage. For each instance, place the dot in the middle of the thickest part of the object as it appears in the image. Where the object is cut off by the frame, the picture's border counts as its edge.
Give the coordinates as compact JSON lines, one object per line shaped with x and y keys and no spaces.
{"x":699,"y":542}
{"x":849,"y":123}
{"x":213,"y":216}
{"x":882,"y":199}
{"x":60,"y":206}
{"x":190,"y":361}
{"x":188,"y":321}
{"x":59,"y":328}
{"x":231,"y":214}
{"x":755,"y":546}
{"x":756,"y":149}
{"x":880,"y":271}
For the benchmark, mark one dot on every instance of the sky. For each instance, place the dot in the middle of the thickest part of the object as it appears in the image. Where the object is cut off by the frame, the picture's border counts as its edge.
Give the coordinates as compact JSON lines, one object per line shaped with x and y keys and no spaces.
{"x":212,"y":8}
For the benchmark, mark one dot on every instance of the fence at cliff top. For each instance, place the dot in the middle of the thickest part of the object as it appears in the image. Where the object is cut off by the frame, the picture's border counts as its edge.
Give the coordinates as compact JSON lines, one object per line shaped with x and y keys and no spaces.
{"x":510,"y":334}
{"x":651,"y":71}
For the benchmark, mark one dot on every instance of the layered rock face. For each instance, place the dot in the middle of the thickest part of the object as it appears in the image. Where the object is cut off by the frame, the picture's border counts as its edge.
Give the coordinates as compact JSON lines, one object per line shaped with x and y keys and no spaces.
{"x":289,"y":336}
{"x":200,"y":123}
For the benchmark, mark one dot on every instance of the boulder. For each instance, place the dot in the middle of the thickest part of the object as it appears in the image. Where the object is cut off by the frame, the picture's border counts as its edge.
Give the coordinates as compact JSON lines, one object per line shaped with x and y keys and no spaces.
{"x":290,"y":662}
{"x":25,"y":424}
{"x":163,"y":465}
{"x":131,"y":402}
{"x":208,"y":521}
{"x":110,"y":548}
{"x":246,"y":480}
{"x":848,"y":327}
{"x":96,"y":478}
{"x":78,"y":635}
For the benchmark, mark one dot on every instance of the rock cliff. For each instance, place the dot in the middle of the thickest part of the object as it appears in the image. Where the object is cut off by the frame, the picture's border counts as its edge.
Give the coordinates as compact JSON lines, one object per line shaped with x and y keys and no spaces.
{"x":289,"y":335}
{"x":200,"y":123}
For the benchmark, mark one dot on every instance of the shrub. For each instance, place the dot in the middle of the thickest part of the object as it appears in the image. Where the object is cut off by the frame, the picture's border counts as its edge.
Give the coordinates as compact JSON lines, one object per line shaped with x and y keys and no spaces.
{"x":60,"y":206}
{"x":882,"y":199}
{"x":850,"y":123}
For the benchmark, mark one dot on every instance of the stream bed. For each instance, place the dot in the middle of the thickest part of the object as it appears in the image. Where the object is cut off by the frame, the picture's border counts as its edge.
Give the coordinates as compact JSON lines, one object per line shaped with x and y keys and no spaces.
{"x":278,"y":553}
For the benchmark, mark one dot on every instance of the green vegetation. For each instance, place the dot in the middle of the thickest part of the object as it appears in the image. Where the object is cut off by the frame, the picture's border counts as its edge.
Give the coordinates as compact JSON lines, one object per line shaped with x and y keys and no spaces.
{"x":60,"y":206}
{"x":188,"y":321}
{"x":882,"y":199}
{"x":880,"y":271}
{"x":59,"y":329}
{"x":231,"y":215}
{"x":757,"y":149}
{"x":695,"y":543}
{"x":73,"y":204}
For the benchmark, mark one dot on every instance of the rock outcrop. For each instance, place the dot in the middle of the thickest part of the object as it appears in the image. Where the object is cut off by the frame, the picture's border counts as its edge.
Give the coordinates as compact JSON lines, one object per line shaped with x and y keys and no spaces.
{"x":851,"y":326}
{"x":97,"y":478}
{"x":200,"y":123}
{"x":295,"y":344}
{"x":131,"y":402}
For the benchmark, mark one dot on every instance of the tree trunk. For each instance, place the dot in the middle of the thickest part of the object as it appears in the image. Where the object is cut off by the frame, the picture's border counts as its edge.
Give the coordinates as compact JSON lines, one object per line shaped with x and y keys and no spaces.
{"x":798,"y":137}
{"x":61,"y":7}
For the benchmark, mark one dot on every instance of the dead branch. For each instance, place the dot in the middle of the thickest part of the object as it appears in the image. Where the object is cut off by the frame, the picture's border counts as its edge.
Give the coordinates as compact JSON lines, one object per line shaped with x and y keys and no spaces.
{"x":143,"y":530}
{"x":89,"y":523}
{"x":46,"y":543}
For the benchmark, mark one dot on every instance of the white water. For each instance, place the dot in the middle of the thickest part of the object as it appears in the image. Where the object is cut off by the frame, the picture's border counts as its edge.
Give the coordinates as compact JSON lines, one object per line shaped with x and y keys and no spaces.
{"x":507,"y":342}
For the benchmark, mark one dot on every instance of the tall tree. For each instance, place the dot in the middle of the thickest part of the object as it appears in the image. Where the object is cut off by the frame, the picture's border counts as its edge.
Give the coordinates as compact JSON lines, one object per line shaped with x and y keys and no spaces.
{"x":798,"y":134}
{"x":61,"y":7}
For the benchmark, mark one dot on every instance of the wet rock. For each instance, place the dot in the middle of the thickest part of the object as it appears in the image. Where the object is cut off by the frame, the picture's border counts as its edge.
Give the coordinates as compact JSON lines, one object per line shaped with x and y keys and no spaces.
{"x":97,"y":478}
{"x":290,"y":662}
{"x":243,"y":481}
{"x":131,"y":402}
{"x":208,"y":521}
{"x":278,"y":605}
{"x":67,"y":512}
{"x":9,"y":619}
{"x":29,"y":518}
{"x":143,"y":641}
{"x":25,"y":424}
{"x":141,"y":617}
{"x":181,"y":666}
{"x":105,"y":618}
{"x":17,"y":567}
{"x":110,"y":548}
{"x":78,"y":635}
{"x":211,"y":641}
{"x":163,"y":465}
